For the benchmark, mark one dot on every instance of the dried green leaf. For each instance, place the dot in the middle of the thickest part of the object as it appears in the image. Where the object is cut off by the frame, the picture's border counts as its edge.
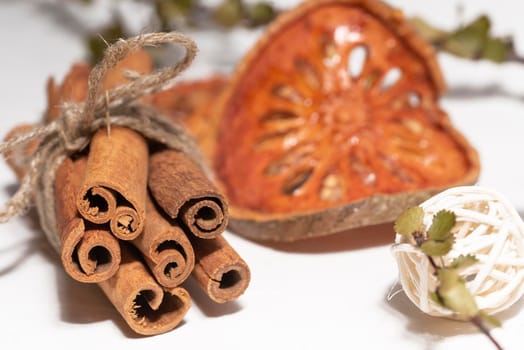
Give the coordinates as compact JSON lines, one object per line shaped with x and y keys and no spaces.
{"x":97,"y":44}
{"x":172,"y":8}
{"x":437,"y":248}
{"x":496,"y":50}
{"x":436,"y":299}
{"x":463,"y":261}
{"x":454,"y":294}
{"x":260,"y":13}
{"x":490,"y":320}
{"x":442,"y":223}
{"x":409,"y":221}
{"x":169,"y":11}
{"x":472,"y":41}
{"x":427,"y":31}
{"x":229,"y":13}
{"x":468,"y":41}
{"x":184,"y":5}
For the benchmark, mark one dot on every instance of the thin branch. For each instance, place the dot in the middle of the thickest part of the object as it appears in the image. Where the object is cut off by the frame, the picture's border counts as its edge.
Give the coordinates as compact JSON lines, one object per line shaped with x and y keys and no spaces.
{"x":477,"y":321}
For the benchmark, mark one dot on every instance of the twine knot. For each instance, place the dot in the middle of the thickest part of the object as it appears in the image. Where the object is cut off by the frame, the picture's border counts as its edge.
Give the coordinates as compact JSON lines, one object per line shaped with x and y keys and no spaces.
{"x":72,"y":131}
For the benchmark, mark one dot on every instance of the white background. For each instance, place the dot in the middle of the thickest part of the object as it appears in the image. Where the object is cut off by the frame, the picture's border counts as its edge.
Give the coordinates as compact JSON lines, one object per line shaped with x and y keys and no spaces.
{"x":325,"y":293}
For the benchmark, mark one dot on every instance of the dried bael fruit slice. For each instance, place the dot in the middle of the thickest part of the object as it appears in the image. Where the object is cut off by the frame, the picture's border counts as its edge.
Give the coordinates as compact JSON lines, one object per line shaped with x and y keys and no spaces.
{"x":192,"y":103}
{"x":332,"y":121}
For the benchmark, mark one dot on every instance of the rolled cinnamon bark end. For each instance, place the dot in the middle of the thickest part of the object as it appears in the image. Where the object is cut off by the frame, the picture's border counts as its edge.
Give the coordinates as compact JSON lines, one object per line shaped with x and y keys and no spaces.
{"x":182,"y":190}
{"x":170,"y":270}
{"x":165,"y":248}
{"x":97,"y":252}
{"x":125,"y":223}
{"x":116,"y":164}
{"x":146,"y":307}
{"x":219,"y":270}
{"x":204,"y":217}
{"x":87,"y":256}
{"x":98,"y":205}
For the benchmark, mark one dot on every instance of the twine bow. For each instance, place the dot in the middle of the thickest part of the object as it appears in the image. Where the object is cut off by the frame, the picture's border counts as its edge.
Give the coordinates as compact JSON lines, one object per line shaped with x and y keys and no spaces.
{"x":71,"y":132}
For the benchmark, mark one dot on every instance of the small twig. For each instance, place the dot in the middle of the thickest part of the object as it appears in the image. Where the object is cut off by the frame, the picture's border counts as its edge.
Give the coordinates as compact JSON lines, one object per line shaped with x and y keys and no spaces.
{"x":515,"y":57}
{"x":420,"y":239}
{"x":435,"y":242}
{"x":477,"y":321}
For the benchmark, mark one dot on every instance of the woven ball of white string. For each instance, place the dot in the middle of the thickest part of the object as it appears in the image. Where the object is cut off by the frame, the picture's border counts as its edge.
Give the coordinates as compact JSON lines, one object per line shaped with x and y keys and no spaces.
{"x":487,"y":226}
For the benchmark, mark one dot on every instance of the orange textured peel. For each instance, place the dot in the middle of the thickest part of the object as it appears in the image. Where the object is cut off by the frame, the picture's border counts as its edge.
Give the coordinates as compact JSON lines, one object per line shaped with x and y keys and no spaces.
{"x":332,"y":121}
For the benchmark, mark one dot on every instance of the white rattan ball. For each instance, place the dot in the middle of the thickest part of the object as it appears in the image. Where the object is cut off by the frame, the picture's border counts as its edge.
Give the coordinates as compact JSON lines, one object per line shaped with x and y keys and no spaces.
{"x":487,"y":226}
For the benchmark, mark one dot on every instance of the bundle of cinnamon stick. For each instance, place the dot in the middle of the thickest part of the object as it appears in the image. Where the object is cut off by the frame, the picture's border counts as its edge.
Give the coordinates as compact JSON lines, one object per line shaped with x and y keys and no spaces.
{"x":137,"y":218}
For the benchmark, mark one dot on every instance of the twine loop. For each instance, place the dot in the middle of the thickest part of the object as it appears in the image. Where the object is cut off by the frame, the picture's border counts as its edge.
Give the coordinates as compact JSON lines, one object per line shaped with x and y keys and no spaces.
{"x":71,"y":132}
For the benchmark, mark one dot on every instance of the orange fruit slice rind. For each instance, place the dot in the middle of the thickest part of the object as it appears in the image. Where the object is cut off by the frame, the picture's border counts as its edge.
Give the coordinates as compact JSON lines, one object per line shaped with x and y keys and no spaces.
{"x":312,"y":142}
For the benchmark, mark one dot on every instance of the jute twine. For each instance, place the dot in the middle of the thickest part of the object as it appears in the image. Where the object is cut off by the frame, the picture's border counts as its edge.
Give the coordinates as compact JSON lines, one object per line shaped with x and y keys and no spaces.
{"x":72,"y":131}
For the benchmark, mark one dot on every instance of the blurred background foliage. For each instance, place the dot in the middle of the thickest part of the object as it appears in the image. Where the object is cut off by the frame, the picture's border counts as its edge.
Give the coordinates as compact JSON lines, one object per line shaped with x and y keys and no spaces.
{"x":472,"y":40}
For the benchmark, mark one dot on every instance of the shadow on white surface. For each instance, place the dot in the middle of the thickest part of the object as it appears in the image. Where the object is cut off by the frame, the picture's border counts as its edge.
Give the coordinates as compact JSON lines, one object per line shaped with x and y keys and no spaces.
{"x":82,"y":303}
{"x":23,"y":250}
{"x":464,"y":92}
{"x":206,"y":305}
{"x":360,"y":238}
{"x":437,"y":328}
{"x":79,"y":303}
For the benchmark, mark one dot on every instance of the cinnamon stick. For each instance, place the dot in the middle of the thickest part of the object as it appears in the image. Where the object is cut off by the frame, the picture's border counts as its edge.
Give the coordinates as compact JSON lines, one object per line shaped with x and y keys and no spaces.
{"x":73,"y":89}
{"x":136,"y":63}
{"x":219,"y":270}
{"x":146,"y":307}
{"x":115,"y":183}
{"x":88,"y":255}
{"x":165,"y":248}
{"x":182,"y":190}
